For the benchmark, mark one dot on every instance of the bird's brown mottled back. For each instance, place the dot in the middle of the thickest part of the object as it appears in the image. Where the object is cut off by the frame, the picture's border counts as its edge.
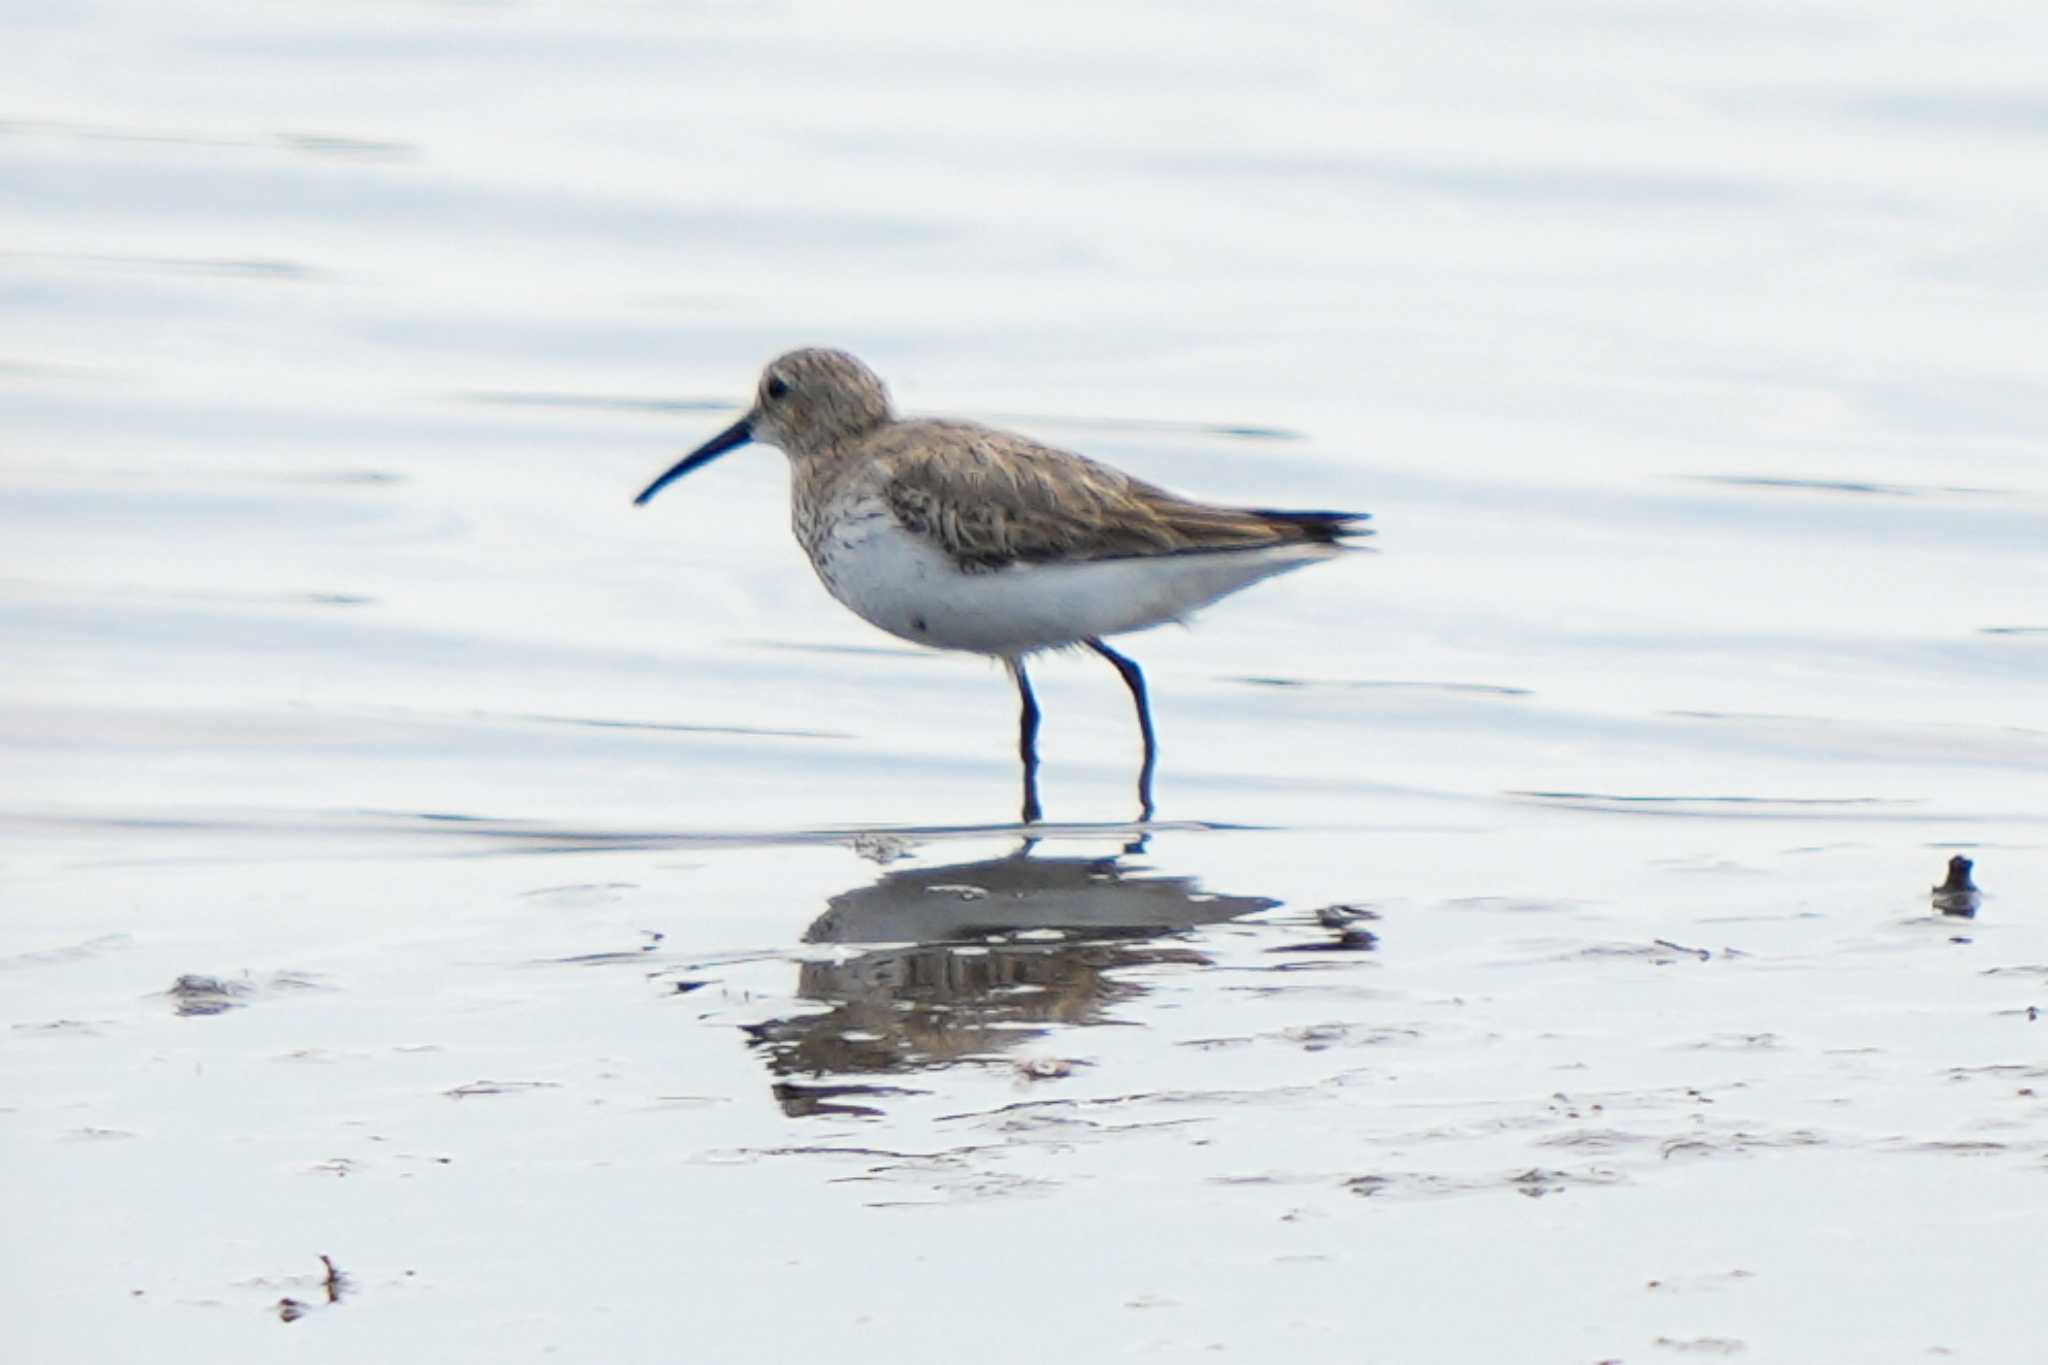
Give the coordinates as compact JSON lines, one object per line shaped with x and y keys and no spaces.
{"x":990,"y":498}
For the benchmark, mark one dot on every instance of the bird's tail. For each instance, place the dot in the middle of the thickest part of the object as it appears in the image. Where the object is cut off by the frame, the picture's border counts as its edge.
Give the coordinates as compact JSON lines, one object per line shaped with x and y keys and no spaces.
{"x":1319,"y":528}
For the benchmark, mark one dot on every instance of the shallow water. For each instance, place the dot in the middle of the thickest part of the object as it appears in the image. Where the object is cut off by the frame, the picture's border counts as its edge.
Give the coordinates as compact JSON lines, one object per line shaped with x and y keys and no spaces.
{"x":570,"y":921}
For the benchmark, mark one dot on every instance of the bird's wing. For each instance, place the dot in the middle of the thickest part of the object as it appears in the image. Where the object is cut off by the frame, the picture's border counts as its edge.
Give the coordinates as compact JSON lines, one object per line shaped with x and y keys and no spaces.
{"x":990,"y":498}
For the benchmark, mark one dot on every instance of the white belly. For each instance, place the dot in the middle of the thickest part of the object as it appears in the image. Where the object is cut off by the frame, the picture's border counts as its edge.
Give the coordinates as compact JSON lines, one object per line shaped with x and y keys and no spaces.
{"x":906,"y":585}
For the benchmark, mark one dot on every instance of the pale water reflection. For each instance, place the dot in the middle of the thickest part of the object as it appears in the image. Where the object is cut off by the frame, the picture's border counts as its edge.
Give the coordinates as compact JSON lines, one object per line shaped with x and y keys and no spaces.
{"x":984,"y":957}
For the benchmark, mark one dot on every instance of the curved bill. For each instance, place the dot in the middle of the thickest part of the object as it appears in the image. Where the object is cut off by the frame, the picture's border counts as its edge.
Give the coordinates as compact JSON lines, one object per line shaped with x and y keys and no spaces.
{"x":738,"y":434}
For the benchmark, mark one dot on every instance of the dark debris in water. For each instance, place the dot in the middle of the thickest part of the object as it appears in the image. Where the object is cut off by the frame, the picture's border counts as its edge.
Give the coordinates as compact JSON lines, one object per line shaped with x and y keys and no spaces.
{"x":193,"y":994}
{"x":1957,"y":895}
{"x":333,"y":1284}
{"x":197,"y":994}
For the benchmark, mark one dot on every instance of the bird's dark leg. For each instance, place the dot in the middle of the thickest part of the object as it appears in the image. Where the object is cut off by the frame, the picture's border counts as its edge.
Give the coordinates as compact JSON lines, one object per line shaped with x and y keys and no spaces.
{"x":1027,"y":739}
{"x":1135,"y":680}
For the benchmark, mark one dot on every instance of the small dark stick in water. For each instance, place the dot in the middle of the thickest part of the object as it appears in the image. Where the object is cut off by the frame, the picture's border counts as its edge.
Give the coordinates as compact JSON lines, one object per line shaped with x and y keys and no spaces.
{"x":1958,"y":895}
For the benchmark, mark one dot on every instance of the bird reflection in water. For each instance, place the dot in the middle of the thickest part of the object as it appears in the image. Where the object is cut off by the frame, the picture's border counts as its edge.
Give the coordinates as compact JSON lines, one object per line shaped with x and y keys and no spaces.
{"x":984,"y":956}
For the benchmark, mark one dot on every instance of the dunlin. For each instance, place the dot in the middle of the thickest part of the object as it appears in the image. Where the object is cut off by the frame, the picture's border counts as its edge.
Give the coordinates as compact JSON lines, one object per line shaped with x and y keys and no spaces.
{"x":958,"y":536}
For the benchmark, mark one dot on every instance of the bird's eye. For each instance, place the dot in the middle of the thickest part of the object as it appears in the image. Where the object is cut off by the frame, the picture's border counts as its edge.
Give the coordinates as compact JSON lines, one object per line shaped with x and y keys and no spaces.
{"x":776,"y":387}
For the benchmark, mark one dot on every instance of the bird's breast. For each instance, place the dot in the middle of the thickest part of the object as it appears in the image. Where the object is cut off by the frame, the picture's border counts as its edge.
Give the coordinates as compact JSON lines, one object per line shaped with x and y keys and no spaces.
{"x":884,"y":573}
{"x":901,"y":580}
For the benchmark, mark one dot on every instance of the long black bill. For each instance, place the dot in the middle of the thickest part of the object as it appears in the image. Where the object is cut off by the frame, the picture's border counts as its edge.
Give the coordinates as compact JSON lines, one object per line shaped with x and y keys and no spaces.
{"x":738,"y":434}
